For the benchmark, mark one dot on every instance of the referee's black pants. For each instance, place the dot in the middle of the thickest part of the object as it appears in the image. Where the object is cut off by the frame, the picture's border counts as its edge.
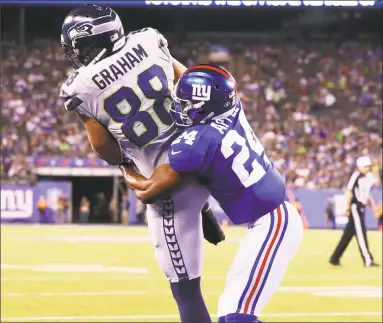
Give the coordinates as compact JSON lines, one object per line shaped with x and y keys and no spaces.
{"x":355,"y":226}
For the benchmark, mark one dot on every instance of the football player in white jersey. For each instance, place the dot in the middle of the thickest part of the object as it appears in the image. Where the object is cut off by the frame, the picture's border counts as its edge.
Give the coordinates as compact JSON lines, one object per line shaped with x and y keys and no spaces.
{"x":120,"y":90}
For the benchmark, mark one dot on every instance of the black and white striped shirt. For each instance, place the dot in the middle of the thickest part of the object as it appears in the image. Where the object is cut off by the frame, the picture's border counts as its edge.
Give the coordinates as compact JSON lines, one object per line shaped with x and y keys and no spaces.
{"x":360,"y":186}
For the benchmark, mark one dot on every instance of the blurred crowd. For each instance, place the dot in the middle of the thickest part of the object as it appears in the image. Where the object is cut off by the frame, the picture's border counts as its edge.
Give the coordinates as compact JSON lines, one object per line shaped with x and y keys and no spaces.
{"x":315,"y":106}
{"x":34,"y":121}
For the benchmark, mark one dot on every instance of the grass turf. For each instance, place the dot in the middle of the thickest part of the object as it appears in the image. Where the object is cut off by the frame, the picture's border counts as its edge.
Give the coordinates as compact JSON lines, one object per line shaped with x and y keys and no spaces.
{"x":109,"y":274}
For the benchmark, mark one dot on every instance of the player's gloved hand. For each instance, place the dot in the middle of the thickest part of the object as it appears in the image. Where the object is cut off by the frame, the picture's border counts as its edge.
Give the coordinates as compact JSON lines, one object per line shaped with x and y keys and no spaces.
{"x":126,"y":162}
{"x":212,"y":231}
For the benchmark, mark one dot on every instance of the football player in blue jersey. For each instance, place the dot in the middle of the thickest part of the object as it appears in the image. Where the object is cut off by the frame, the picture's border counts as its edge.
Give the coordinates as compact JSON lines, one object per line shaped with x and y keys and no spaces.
{"x":219,"y":148}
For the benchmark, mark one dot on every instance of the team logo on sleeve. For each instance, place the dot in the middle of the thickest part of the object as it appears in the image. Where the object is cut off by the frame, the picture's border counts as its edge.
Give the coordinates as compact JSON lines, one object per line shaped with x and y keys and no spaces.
{"x":201,"y":92}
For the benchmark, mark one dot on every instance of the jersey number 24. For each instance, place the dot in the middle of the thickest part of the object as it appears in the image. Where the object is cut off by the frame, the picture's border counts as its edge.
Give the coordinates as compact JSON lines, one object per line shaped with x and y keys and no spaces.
{"x":142,"y":126}
{"x":247,"y":145}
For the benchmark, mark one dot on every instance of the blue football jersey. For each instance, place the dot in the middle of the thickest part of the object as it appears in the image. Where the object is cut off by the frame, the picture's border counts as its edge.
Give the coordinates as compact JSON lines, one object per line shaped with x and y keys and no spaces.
{"x":230,"y":161}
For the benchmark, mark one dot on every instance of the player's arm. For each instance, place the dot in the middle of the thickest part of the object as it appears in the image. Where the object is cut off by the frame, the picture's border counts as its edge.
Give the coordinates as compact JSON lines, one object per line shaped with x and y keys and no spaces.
{"x":162,"y":182}
{"x":190,"y":158}
{"x":159,"y":185}
{"x":104,"y":145}
{"x":179,"y":69}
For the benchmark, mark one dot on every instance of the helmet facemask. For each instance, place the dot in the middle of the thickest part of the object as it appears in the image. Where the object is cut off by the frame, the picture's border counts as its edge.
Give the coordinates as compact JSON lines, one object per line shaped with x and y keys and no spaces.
{"x":88,"y":53}
{"x":71,"y":54}
{"x":179,"y":111}
{"x":185,"y":113}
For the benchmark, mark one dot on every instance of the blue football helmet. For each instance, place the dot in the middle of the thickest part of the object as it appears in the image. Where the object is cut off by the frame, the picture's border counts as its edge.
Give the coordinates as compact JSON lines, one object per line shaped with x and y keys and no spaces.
{"x":202,"y":93}
{"x":91,"y":33}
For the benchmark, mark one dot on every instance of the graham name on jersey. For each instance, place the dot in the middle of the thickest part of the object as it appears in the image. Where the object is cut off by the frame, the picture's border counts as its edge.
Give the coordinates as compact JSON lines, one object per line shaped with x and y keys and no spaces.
{"x":122,"y":65}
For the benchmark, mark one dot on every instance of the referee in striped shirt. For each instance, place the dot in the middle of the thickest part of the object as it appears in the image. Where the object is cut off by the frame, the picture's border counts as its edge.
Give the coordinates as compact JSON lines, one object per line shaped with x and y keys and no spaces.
{"x":357,"y":197}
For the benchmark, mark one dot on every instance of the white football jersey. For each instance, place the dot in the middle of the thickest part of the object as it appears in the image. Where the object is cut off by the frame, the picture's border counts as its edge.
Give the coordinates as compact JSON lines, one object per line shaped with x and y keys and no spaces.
{"x":129,"y":93}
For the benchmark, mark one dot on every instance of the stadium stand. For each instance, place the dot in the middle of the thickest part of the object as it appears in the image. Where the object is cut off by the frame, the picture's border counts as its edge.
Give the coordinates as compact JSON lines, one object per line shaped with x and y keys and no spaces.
{"x":316,"y":106}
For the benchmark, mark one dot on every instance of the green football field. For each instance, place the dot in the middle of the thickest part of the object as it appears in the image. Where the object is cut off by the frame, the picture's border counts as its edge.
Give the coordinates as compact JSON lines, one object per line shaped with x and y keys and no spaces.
{"x":108,"y":274}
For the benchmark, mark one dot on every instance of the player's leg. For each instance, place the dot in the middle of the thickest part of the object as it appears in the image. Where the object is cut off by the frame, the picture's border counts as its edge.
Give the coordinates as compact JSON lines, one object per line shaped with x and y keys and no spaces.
{"x":332,"y":220}
{"x":333,"y":224}
{"x":344,"y":241}
{"x":175,"y":225}
{"x":260,"y":264}
{"x":361,"y":236}
{"x":327,"y":219}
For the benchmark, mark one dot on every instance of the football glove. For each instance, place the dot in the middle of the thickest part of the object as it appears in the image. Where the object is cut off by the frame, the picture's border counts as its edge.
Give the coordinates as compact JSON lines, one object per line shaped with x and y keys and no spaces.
{"x":212,"y":231}
{"x":126,"y":162}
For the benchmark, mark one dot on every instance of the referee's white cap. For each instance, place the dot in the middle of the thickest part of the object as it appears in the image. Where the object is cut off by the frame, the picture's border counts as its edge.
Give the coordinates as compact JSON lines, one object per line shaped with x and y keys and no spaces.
{"x":363,"y":161}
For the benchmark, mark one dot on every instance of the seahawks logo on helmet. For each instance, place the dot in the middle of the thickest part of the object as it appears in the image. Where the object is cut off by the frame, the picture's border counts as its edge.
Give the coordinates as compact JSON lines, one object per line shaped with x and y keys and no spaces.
{"x":81,"y":31}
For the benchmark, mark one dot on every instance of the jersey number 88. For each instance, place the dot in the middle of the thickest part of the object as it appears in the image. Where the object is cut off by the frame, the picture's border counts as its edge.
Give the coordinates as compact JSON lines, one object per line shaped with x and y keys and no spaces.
{"x":141,"y":126}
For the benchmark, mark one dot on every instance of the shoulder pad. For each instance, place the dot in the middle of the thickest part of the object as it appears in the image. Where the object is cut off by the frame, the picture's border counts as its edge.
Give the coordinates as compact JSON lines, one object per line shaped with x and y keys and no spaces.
{"x":149,"y":32}
{"x":142,"y":30}
{"x":191,"y":152}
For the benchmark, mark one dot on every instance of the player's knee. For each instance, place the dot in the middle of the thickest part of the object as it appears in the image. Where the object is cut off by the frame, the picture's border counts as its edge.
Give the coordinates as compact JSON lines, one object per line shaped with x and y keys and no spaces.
{"x":237,"y":317}
{"x":187,"y":289}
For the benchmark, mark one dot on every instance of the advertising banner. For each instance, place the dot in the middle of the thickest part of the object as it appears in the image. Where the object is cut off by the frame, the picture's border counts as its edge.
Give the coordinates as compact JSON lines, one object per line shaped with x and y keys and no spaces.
{"x":313,"y":203}
{"x":19,"y":202}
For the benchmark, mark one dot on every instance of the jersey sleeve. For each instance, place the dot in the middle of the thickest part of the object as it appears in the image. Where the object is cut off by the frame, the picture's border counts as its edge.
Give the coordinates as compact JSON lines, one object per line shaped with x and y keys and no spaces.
{"x":190,"y":152}
{"x":163,"y":45}
{"x":161,"y":42}
{"x":74,"y":97}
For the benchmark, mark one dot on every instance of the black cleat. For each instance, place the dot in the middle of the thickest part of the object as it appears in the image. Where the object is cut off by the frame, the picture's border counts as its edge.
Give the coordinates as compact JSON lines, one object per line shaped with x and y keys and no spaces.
{"x":373,"y":264}
{"x":334,"y":262}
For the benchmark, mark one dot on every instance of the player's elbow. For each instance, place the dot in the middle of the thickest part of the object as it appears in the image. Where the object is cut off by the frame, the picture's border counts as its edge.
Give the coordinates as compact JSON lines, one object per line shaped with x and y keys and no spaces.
{"x":108,"y":151}
{"x":112,"y":159}
{"x":145,"y":197}
{"x":149,"y":194}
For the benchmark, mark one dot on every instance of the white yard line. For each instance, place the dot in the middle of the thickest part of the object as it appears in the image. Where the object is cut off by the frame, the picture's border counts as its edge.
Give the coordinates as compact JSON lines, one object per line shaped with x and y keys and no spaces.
{"x":81,"y":293}
{"x":173,"y":316}
{"x":155,"y":278}
{"x":76,"y":268}
{"x":309,"y":314}
{"x":346,"y":290}
{"x":326,"y":288}
{"x":343,"y":277}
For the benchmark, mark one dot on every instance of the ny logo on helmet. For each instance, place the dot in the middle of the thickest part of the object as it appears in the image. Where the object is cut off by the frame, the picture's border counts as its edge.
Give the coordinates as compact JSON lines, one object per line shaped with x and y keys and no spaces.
{"x":201,"y":92}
